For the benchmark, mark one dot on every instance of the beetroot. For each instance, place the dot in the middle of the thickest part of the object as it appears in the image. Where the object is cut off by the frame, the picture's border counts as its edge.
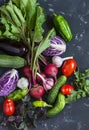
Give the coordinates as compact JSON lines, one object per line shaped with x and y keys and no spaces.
{"x":37,"y":91}
{"x":51,"y":70}
{"x":27,"y":71}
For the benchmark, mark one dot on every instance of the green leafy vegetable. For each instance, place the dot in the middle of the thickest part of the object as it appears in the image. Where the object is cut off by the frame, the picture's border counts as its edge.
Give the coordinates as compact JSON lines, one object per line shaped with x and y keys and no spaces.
{"x":22,"y":21}
{"x":13,"y":22}
{"x":81,"y":82}
{"x":45,"y":43}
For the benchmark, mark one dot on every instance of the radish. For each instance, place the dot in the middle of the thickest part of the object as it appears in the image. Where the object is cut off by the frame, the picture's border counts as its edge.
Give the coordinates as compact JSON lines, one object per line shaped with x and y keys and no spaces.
{"x":39,"y":79}
{"x":51,"y":70}
{"x":27,"y":71}
{"x":37,"y":91}
{"x":48,"y":83}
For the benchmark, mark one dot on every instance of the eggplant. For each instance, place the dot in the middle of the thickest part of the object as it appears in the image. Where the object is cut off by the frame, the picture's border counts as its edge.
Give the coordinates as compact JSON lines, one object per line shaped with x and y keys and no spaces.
{"x":13,"y":47}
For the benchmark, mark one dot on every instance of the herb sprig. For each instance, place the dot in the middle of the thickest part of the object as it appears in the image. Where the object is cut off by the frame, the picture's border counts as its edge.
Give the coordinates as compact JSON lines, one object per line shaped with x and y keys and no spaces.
{"x":81,"y":82}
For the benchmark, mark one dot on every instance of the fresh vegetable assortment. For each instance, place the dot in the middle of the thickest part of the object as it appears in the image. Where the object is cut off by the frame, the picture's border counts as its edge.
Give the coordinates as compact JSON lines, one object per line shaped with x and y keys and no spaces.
{"x":32,"y":87}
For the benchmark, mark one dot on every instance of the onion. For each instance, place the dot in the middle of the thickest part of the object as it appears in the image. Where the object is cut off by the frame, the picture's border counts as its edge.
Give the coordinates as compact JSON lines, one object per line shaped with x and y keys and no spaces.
{"x":57,"y":47}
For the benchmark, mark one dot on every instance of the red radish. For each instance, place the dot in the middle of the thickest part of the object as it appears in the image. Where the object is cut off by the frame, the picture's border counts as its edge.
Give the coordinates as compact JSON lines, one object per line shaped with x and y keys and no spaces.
{"x":39,"y":78}
{"x":27,"y":71}
{"x":48,"y":83}
{"x":51,"y":70}
{"x":37,"y":91}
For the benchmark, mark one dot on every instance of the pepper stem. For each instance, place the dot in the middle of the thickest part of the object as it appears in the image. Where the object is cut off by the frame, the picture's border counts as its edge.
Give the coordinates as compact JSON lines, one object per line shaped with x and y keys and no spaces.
{"x":54,"y":14}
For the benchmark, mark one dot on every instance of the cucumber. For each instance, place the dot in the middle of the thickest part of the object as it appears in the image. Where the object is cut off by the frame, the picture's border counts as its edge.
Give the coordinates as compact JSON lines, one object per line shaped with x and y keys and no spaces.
{"x":59,"y":105}
{"x":11,"y":61}
{"x":54,"y":91}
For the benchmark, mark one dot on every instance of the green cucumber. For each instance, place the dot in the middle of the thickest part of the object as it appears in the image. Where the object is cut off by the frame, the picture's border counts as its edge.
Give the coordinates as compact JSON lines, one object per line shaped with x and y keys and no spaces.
{"x":11,"y":61}
{"x":59,"y":105}
{"x":54,"y":91}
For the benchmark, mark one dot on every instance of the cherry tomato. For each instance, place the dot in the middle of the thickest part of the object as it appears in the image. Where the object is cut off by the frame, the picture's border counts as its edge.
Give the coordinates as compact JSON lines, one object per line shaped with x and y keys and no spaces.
{"x":66,"y":89}
{"x":69,"y":67}
{"x":8,"y":107}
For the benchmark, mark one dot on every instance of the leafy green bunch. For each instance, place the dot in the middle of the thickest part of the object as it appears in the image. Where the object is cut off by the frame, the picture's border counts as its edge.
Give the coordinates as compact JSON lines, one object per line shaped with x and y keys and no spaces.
{"x":81,"y":82}
{"x":22,"y":20}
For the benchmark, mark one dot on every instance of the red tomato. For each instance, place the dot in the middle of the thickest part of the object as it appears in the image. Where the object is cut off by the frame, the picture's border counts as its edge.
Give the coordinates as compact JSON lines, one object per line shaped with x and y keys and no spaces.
{"x":8,"y":107}
{"x":69,"y":67}
{"x":66,"y":89}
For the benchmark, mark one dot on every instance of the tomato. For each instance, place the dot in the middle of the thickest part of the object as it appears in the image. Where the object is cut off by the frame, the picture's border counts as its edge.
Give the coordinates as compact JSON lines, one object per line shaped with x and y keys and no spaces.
{"x":66,"y":89}
{"x":69,"y":67}
{"x":8,"y":107}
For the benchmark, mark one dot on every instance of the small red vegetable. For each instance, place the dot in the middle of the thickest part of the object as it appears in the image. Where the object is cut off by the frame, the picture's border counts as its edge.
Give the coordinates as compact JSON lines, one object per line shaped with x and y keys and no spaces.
{"x":69,"y":67}
{"x":8,"y":107}
{"x":51,"y":70}
{"x":39,"y":79}
{"x":66,"y":89}
{"x":37,"y":91}
{"x":27,"y":71}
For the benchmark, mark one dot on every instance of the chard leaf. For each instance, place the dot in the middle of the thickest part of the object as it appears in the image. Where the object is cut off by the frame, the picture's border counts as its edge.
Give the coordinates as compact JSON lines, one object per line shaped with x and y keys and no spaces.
{"x":45,"y":43}
{"x":9,"y":31}
{"x":5,"y":15}
{"x":14,"y":17}
{"x":40,"y":19}
{"x":31,"y":14}
{"x":16,"y":2}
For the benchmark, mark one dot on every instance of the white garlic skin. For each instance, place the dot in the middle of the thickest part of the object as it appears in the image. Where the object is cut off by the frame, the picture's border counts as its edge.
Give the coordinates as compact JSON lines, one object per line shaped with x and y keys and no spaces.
{"x":22,"y":83}
{"x":57,"y":61}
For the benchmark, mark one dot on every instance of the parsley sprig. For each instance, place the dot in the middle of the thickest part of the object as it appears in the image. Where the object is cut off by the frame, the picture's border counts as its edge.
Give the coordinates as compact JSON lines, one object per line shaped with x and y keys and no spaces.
{"x":81,"y":82}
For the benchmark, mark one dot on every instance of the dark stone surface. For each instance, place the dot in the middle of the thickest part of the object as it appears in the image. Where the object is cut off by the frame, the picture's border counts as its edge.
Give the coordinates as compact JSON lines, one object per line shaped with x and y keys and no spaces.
{"x":75,"y":116}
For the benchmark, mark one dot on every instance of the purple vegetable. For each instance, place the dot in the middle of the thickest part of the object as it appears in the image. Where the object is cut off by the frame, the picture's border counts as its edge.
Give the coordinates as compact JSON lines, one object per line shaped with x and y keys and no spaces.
{"x":57,"y":47}
{"x":8,"y":82}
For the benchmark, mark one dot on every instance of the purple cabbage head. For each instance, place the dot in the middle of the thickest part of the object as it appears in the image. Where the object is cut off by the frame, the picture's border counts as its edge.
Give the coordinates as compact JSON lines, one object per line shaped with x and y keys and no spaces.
{"x":57,"y":47}
{"x":8,"y":82}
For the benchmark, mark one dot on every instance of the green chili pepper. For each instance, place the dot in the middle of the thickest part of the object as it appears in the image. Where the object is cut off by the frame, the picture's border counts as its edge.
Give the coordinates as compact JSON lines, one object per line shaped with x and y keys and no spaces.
{"x":62,"y":26}
{"x":18,"y":94}
{"x":40,"y":104}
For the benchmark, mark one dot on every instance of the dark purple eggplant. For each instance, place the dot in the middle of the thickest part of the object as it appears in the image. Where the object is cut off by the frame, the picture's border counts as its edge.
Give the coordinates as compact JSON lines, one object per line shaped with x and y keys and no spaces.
{"x":13,"y":47}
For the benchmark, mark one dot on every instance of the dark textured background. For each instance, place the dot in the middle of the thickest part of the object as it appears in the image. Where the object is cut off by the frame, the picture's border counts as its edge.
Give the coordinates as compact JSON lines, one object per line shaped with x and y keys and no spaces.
{"x":75,"y":116}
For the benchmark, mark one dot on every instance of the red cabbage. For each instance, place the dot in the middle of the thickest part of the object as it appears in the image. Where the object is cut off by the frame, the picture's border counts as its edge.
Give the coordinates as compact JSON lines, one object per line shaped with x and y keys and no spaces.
{"x":8,"y":82}
{"x":57,"y":47}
